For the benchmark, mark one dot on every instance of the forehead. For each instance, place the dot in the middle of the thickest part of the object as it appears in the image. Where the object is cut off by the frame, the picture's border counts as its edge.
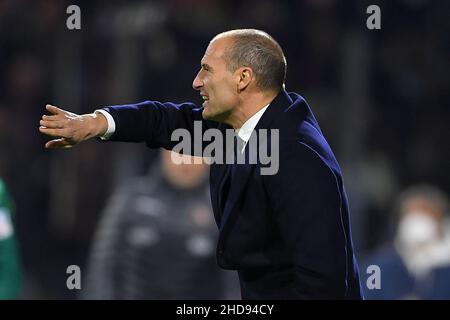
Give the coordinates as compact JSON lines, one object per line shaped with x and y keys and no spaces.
{"x":215,"y":50}
{"x":420,"y":203}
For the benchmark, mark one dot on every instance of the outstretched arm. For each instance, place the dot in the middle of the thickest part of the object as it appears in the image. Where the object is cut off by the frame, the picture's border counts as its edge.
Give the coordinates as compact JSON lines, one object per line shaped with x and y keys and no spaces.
{"x":69,"y":128}
{"x":151,"y":122}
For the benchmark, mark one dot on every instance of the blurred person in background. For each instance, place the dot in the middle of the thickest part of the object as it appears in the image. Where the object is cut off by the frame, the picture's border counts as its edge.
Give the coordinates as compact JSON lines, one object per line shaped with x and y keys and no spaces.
{"x":10,"y":265}
{"x":157,"y":239}
{"x":417,"y":264}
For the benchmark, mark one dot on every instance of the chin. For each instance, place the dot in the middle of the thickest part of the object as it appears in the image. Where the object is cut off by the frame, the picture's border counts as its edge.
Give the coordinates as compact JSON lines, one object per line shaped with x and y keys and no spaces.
{"x":207,"y":115}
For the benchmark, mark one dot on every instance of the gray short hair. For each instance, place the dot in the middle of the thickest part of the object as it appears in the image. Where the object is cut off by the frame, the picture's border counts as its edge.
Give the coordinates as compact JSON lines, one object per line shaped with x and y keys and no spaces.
{"x":257,"y":50}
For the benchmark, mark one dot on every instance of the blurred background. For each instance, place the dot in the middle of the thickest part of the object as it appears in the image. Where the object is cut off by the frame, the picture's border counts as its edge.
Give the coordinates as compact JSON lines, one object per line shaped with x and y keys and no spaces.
{"x":381,"y":96}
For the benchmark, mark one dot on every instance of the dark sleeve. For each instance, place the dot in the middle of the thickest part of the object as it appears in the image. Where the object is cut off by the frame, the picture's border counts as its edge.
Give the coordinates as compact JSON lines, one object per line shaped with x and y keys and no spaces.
{"x":154,"y":122}
{"x":306,"y":202}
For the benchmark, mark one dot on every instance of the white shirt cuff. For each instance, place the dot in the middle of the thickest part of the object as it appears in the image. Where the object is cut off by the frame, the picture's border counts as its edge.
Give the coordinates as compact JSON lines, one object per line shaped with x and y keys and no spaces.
{"x":111,"y":124}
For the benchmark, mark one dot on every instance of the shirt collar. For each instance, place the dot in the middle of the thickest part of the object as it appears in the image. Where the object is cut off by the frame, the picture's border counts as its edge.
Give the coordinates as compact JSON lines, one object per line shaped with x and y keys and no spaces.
{"x":247,"y":128}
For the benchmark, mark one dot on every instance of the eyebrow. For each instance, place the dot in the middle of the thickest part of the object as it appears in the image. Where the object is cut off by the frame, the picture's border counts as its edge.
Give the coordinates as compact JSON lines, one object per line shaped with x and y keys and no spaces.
{"x":206,"y":66}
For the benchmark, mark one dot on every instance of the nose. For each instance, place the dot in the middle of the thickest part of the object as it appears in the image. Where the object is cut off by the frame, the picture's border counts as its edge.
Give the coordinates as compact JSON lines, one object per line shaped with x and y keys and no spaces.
{"x":197,"y":84}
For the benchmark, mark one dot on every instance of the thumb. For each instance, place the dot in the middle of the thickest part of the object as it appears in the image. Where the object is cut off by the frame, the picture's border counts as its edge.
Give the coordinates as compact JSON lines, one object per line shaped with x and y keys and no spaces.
{"x":58,"y":143}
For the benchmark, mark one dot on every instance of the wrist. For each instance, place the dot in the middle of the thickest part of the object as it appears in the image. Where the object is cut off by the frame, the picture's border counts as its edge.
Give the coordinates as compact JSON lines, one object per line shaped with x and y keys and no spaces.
{"x":98,"y":124}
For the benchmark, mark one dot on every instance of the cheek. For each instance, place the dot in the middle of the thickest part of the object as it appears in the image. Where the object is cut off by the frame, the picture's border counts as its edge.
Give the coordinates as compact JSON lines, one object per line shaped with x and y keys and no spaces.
{"x":227,"y":90}
{"x":230,"y":96}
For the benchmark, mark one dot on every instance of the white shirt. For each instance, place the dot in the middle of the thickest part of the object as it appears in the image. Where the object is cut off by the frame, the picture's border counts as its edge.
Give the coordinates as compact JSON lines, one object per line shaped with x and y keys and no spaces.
{"x":247,"y":128}
{"x":111,"y":124}
{"x":243,"y":132}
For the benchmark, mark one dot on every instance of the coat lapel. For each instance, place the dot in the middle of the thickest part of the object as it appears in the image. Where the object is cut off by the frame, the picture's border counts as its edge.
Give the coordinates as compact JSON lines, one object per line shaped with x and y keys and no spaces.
{"x":216,"y":180}
{"x":237,"y":189}
{"x":244,"y":171}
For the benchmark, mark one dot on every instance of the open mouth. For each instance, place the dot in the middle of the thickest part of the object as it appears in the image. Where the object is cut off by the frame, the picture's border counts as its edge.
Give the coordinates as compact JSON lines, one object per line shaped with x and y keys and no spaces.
{"x":205,"y":100}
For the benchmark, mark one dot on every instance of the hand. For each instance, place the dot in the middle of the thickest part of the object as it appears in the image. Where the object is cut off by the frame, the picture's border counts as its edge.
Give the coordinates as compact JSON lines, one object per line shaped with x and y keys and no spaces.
{"x":70,"y":128}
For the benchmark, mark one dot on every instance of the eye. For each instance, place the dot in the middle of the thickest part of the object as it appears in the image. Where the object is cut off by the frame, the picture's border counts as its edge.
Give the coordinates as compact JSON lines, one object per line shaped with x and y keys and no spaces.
{"x":205,"y":67}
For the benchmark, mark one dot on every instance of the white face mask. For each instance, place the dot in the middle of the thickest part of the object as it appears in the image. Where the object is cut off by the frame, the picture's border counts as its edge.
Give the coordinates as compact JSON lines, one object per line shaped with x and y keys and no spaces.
{"x":418,"y":229}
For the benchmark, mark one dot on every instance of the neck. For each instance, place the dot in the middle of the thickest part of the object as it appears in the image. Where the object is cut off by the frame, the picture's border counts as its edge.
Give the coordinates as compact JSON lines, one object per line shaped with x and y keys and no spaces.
{"x":248,"y":106}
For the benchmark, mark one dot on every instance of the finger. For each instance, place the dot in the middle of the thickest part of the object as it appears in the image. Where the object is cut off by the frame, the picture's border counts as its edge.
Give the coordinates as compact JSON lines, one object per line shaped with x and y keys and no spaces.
{"x":58,"y":143}
{"x":52,"y":132}
{"x":50,"y":117}
{"x":54,"y":110}
{"x":52,"y":124}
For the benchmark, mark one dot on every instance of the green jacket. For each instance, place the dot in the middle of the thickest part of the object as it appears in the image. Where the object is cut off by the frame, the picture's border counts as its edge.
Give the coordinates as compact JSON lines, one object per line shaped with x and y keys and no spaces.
{"x":10,"y":266}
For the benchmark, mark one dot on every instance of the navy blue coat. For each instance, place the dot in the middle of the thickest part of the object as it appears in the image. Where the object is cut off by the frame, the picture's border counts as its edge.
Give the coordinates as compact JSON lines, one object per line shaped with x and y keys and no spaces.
{"x":287,"y":234}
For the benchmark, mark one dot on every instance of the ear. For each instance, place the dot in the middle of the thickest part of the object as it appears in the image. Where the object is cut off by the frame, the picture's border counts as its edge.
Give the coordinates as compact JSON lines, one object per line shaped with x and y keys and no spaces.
{"x":244,"y":77}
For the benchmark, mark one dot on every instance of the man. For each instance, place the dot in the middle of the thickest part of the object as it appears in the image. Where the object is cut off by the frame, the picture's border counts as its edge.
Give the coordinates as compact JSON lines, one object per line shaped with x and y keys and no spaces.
{"x":416,"y":264}
{"x":149,"y":223}
{"x":287,"y":233}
